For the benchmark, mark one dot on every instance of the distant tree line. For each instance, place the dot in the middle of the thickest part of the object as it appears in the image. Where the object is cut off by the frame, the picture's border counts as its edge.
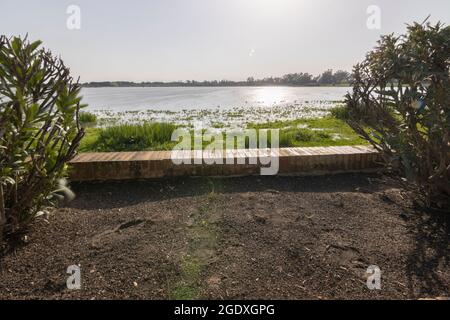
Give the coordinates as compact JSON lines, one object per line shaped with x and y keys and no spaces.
{"x":327,"y":78}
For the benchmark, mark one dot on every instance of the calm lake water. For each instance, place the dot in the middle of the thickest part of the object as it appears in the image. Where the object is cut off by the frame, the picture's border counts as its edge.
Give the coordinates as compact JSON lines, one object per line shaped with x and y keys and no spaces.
{"x":181,"y":98}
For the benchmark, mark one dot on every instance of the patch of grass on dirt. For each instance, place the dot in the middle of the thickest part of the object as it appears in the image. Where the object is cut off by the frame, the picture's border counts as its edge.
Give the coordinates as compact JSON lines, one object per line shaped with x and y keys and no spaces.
{"x":188,"y":287}
{"x":202,"y":242}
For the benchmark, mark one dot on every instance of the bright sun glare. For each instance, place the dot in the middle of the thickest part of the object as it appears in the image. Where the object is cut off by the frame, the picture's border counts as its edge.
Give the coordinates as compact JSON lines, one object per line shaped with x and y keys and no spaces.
{"x":269,"y":95}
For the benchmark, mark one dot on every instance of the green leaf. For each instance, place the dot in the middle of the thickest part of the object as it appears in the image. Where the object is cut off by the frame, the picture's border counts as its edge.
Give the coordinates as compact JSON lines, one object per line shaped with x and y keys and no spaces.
{"x":35,"y":45}
{"x":16,"y":44}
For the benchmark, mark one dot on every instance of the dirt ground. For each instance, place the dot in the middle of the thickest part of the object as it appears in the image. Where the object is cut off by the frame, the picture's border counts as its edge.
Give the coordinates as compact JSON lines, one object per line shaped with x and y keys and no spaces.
{"x":236,"y":238}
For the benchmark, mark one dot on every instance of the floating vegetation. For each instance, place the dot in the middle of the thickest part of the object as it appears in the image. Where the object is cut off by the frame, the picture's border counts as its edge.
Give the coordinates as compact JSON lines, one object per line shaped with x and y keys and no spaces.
{"x":237,"y":117}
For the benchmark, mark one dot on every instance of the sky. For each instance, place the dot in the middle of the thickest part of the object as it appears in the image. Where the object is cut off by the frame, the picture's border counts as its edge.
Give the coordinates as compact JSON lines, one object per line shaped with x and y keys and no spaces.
{"x":171,"y":40}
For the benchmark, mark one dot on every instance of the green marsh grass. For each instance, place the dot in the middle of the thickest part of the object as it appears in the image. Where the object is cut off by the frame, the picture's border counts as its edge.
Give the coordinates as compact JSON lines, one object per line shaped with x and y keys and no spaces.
{"x":87,"y":118}
{"x":319,"y":132}
{"x":127,"y":137}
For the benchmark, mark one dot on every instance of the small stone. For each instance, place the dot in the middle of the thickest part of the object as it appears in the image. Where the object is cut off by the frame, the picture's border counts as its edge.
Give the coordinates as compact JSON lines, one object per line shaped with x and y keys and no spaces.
{"x":260,"y":219}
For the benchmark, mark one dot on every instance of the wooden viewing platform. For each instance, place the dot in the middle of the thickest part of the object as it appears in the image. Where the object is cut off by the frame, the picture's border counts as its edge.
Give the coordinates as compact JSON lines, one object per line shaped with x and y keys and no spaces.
{"x":159,"y":164}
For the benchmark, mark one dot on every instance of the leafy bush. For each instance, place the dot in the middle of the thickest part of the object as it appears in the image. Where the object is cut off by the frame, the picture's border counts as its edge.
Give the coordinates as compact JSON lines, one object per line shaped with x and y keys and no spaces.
{"x":130,"y":137}
{"x":39,"y":129}
{"x":401,"y":104}
{"x":87,"y":118}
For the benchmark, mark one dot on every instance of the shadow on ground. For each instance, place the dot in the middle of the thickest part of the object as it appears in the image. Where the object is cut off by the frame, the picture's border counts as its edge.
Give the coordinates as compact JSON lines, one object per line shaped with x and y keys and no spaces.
{"x":430,"y":255}
{"x":235,"y":238}
{"x":113,"y":194}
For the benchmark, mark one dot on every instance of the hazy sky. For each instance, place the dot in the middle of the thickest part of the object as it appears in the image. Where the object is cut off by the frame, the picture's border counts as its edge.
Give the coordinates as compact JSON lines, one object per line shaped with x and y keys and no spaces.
{"x":141,"y":40}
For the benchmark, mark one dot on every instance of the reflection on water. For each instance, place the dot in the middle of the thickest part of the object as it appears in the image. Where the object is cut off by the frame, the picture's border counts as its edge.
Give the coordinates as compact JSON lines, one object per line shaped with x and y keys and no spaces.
{"x":271,"y":95}
{"x":180,"y":98}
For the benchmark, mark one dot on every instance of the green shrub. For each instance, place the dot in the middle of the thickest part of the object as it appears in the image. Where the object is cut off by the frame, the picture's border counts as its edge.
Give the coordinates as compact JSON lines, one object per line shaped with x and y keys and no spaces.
{"x":137,"y":137}
{"x":401,"y":104}
{"x":39,"y":129}
{"x":340,"y":112}
{"x":87,"y":118}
